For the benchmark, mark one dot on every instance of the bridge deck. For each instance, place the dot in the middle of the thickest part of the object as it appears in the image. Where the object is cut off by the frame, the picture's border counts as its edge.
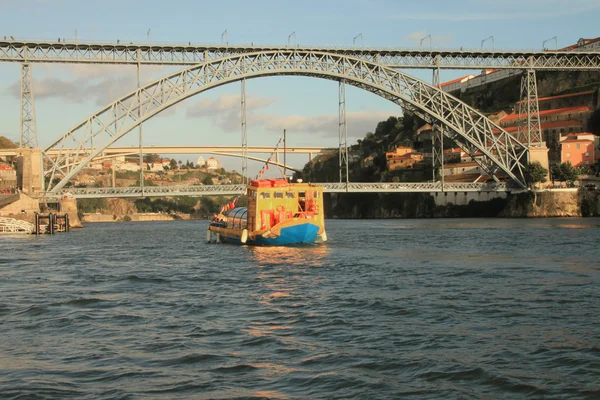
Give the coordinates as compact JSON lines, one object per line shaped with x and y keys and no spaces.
{"x":191,"y":54}
{"x":222,"y":190}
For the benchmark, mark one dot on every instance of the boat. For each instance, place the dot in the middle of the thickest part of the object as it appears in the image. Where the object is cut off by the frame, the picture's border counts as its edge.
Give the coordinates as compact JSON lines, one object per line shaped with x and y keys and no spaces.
{"x":278,"y":213}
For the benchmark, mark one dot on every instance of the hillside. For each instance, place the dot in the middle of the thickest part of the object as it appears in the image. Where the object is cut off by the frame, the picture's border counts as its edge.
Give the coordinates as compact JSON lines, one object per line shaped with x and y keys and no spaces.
{"x":6,"y":143}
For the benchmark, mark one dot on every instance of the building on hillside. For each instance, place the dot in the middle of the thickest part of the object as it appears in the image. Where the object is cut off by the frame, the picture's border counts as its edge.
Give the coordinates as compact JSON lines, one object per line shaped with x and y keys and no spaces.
{"x":578,"y":113}
{"x":455,"y":84}
{"x":8,"y":177}
{"x":200,"y":162}
{"x":424,"y":133}
{"x":154,"y":167}
{"x":572,"y":116}
{"x":212,"y":163}
{"x":588,"y":98}
{"x":127,"y":166}
{"x":472,"y":169}
{"x":579,"y":151}
{"x":402,"y":157}
{"x":407,"y":160}
{"x":453,"y":155}
{"x":584,"y":45}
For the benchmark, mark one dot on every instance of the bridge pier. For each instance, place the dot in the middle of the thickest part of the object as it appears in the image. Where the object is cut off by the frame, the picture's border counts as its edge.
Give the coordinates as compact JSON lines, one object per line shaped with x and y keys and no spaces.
{"x":540,"y":154}
{"x":29,"y":170}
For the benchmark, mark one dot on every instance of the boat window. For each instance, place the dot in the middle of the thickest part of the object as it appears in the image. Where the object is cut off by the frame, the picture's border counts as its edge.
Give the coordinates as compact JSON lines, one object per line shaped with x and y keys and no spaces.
{"x":290,"y":195}
{"x":316,"y":196}
{"x":265,"y":195}
{"x":301,"y":194}
{"x":278,"y":195}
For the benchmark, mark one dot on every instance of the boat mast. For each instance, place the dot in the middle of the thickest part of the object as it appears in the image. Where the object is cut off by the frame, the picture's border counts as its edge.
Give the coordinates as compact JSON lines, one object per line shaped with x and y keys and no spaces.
{"x":284,"y":151}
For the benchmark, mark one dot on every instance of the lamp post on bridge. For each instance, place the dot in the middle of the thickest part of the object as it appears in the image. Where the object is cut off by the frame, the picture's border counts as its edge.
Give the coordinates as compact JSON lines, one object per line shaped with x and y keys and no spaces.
{"x":149,"y":35}
{"x":356,"y":37}
{"x":225,"y":35}
{"x":289,"y":37}
{"x":421,"y":42}
{"x":486,"y":39}
{"x":555,"y":38}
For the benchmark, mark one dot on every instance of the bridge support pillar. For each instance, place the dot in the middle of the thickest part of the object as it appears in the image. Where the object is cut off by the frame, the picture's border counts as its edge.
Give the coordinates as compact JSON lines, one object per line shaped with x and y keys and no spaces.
{"x":540,"y":154}
{"x":29,"y":170}
{"x":529,"y":128}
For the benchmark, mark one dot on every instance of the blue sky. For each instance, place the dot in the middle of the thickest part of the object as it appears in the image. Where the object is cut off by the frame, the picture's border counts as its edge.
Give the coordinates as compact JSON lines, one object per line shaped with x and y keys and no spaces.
{"x":306,"y":107}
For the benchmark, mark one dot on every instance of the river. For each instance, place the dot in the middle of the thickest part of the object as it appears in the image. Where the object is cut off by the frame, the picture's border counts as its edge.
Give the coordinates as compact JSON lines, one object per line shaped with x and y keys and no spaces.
{"x":423,"y":309}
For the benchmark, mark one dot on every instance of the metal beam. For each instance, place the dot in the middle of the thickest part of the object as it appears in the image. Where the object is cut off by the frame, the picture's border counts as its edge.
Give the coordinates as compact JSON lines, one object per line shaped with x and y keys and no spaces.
{"x":128,"y":150}
{"x":184,"y":54}
{"x":336,"y":187}
{"x":29,"y":137}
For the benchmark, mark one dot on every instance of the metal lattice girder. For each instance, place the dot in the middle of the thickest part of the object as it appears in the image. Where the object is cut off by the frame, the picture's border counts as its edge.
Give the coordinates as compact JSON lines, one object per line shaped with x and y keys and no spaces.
{"x":117,"y":119}
{"x":111,"y":53}
{"x":528,"y":122}
{"x":29,"y":136}
{"x":228,"y":190}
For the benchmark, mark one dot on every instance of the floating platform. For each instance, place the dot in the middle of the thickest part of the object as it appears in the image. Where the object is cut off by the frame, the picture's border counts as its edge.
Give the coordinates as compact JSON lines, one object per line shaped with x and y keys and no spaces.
{"x":15,"y":226}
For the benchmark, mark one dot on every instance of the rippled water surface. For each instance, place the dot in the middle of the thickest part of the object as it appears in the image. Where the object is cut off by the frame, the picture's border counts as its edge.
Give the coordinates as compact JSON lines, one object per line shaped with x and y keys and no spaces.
{"x":386,"y":309}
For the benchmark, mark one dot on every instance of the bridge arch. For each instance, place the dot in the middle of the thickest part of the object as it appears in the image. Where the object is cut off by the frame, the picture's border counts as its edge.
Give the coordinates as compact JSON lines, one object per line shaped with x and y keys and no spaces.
{"x":470,"y":129}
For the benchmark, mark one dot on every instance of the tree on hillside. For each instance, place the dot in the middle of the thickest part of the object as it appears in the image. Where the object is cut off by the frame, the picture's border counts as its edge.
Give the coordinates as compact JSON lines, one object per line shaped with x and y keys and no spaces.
{"x":207,"y":180}
{"x":173,"y":163}
{"x":595,"y":122}
{"x":152,"y":158}
{"x":535,"y":173}
{"x":564,"y":172}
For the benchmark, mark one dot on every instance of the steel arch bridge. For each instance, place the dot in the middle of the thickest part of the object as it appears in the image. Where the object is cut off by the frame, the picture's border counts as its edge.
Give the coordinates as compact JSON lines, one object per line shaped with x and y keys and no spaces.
{"x":470,"y":129}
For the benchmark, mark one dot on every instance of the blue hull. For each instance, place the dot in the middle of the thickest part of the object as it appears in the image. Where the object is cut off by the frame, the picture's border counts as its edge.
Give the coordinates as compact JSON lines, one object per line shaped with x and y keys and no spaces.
{"x":305,"y":233}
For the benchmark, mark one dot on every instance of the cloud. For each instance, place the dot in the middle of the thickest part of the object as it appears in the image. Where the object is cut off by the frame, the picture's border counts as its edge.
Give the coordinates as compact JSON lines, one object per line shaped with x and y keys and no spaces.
{"x":225,"y":113}
{"x":358,"y":123}
{"x":227,"y":106}
{"x":100,"y":84}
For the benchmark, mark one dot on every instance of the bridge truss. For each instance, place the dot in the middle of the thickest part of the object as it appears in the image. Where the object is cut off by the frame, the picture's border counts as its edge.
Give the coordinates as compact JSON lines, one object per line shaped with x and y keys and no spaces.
{"x":470,"y":129}
{"x":156,"y":54}
{"x":232,"y":190}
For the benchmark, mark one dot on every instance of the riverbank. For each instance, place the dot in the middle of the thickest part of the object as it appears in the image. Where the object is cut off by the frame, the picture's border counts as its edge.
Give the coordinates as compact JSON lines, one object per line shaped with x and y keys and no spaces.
{"x":135,"y":217}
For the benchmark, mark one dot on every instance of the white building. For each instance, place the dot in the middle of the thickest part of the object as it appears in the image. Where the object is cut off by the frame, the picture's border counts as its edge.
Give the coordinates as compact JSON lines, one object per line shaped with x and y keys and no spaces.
{"x":212,"y":163}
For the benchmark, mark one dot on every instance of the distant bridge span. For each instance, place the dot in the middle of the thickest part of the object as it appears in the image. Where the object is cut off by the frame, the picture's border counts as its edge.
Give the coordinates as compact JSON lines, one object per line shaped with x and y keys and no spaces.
{"x":231,"y":190}
{"x":470,"y":129}
{"x":109,"y":151}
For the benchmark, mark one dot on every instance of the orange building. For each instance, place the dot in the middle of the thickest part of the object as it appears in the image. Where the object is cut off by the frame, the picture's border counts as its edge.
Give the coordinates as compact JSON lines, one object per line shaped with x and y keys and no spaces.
{"x":579,"y":151}
{"x":402,"y":157}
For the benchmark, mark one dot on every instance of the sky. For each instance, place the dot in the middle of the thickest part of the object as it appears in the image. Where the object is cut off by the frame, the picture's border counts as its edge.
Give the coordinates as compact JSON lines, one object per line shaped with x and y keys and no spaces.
{"x":306,"y":107}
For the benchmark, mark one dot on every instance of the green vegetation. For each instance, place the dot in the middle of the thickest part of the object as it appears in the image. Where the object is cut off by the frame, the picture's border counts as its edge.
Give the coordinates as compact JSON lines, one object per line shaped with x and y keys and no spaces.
{"x":535,"y":173}
{"x":90,"y":206}
{"x":564,"y":172}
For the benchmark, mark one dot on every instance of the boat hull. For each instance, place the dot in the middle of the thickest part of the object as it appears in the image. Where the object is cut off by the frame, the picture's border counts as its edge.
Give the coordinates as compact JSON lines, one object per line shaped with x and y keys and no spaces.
{"x":305,"y":232}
